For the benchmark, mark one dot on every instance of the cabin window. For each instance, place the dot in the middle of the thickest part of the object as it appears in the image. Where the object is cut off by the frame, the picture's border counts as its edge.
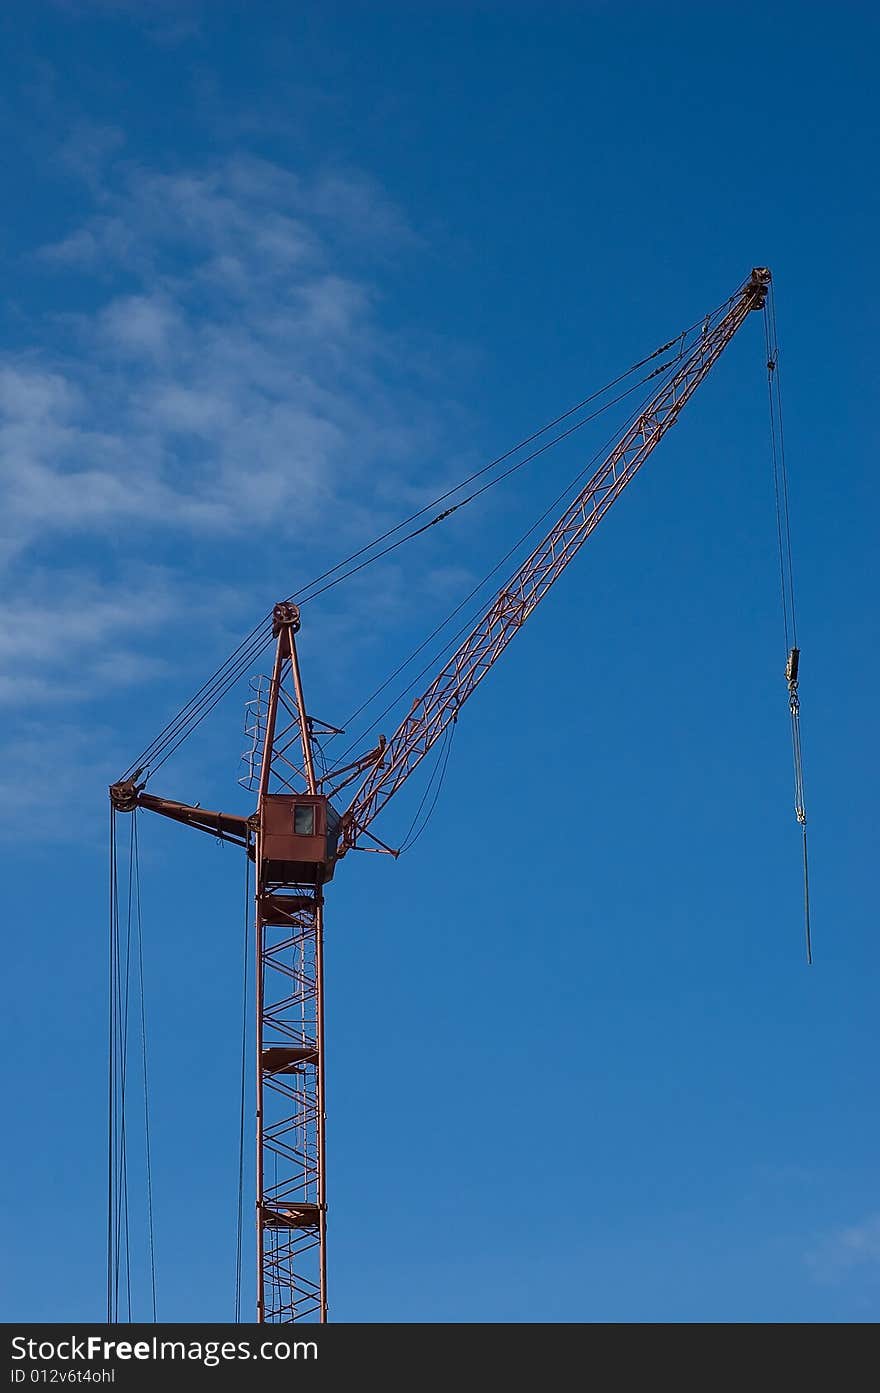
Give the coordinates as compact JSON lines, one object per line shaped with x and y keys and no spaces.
{"x":304,"y":820}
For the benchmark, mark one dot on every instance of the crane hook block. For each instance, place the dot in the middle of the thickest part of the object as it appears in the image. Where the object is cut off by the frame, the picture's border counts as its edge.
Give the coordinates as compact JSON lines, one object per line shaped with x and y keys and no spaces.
{"x":791,"y":667}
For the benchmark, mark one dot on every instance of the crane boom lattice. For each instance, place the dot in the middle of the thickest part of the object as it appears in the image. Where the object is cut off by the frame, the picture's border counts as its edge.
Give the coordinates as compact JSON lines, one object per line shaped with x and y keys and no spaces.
{"x":461,"y":675}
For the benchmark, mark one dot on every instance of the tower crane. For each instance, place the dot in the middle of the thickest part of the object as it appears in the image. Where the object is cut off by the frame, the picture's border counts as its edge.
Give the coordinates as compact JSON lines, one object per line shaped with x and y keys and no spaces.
{"x":297,"y":837}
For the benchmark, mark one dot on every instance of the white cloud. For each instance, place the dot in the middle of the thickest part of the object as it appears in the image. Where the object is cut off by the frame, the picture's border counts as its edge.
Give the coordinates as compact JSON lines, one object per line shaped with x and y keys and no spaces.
{"x":140,"y":325}
{"x":221,"y":399}
{"x":31,"y":397}
{"x":242,"y":373}
{"x":65,"y":636}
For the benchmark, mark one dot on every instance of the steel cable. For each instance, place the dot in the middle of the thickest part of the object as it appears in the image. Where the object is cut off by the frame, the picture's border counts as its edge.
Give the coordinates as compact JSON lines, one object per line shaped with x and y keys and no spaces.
{"x":465,"y":628}
{"x":241,"y":1122}
{"x":786,"y":584}
{"x":111,"y":1060}
{"x":215,"y":688}
{"x":143,"y":1025}
{"x":126,"y":962}
{"x":441,"y":763}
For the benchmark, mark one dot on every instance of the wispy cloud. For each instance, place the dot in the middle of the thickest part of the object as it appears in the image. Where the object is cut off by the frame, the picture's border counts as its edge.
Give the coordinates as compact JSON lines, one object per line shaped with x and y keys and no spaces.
{"x":847,"y":1250}
{"x":227,"y":382}
{"x":238,"y":372}
{"x":67,"y":636}
{"x":165,"y":21}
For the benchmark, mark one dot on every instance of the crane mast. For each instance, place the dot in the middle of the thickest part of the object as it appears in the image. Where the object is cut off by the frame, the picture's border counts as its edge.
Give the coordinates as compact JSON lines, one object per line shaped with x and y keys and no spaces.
{"x":295,"y":839}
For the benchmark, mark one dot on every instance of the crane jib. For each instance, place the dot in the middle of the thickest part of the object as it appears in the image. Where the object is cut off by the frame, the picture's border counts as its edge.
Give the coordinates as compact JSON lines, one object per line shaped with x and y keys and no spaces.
{"x":440,"y":703}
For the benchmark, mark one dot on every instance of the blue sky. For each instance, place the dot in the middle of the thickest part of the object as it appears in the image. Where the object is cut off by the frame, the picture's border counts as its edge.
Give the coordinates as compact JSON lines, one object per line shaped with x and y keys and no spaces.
{"x":273,"y":280}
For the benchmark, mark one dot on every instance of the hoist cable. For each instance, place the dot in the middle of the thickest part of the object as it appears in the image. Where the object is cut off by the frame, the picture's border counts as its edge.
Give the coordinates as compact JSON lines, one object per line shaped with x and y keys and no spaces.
{"x":126,"y":994}
{"x":542,"y":449}
{"x":123,"y":1225}
{"x":117,"y":1105}
{"x":239,"y":1234}
{"x":468,"y":625}
{"x":119,"y":1137}
{"x":165,"y":748}
{"x":777,"y":483}
{"x":111,"y":1070}
{"x":441,"y":763}
{"x":172,"y":726}
{"x":308,"y":592}
{"x":514,"y":449}
{"x":148,"y":1160}
{"x":216,"y":686}
{"x":807,"y":929}
{"x":213,"y":695}
{"x":250,"y":648}
{"x":207,"y":705}
{"x":784,"y":470}
{"x":484,"y":469}
{"x":787,"y":589}
{"x":208,"y":694}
